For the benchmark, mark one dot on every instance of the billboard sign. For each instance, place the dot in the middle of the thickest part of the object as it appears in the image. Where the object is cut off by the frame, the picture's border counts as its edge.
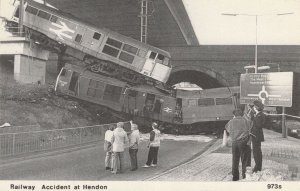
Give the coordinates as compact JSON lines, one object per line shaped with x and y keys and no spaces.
{"x":272,"y":89}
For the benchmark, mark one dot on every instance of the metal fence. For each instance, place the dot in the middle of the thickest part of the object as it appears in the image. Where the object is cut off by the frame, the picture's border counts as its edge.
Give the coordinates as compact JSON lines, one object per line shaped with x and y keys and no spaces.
{"x":13,"y":144}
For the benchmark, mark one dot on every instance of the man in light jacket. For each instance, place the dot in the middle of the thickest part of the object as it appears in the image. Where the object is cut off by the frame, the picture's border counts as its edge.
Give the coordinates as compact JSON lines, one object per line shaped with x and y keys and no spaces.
{"x":154,"y":145}
{"x":119,"y":140}
{"x":134,"y":139}
{"x":108,"y":147}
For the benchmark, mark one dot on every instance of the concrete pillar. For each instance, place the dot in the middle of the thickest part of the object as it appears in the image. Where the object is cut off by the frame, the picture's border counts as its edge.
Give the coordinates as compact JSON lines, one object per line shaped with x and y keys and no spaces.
{"x":29,"y":69}
{"x":29,"y":59}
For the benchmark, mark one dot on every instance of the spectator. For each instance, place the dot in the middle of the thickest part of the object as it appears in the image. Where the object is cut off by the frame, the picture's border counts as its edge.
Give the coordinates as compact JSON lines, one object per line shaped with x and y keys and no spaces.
{"x":238,"y":129}
{"x":257,"y":134}
{"x":134,"y":139}
{"x":119,"y":140}
{"x":108,"y":147}
{"x":248,"y":116}
{"x":154,"y":145}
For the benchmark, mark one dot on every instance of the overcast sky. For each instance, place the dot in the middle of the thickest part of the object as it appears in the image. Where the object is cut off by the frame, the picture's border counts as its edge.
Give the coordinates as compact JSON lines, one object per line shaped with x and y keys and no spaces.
{"x":213,"y":28}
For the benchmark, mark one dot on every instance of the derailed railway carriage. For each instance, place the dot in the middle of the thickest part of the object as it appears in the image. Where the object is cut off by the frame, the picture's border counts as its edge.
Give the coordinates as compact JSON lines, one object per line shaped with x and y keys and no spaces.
{"x":183,"y":109}
{"x":106,"y":51}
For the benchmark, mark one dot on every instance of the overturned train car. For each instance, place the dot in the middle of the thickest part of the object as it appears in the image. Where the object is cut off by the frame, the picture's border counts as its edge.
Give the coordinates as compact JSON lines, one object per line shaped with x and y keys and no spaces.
{"x":179,"y":108}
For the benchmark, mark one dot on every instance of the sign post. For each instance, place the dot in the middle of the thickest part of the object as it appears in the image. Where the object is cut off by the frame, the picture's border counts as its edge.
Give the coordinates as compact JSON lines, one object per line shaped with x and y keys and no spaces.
{"x":272,"y":89}
{"x":283,"y":127}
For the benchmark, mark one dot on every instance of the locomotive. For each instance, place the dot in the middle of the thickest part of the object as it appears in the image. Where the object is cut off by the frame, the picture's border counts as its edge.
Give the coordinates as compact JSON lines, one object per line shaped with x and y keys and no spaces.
{"x":147,"y":103}
{"x":105,"y":51}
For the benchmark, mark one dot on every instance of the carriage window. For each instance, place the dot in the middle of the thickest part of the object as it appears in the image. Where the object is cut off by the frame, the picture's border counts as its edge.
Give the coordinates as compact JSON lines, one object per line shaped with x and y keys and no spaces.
{"x":126,"y":57}
{"x":17,"y":13}
{"x":152,"y":55}
{"x":97,"y":36}
{"x":74,"y":80}
{"x":63,"y":72}
{"x":44,"y":15}
{"x":160,"y":58}
{"x":130,"y":49}
{"x":78,"y":38}
{"x":224,"y":101}
{"x":114,"y":43}
{"x":31,"y":10}
{"x":112,"y":93}
{"x":53,"y":19}
{"x":110,"y":51}
{"x":206,"y":102}
{"x":132,"y":93}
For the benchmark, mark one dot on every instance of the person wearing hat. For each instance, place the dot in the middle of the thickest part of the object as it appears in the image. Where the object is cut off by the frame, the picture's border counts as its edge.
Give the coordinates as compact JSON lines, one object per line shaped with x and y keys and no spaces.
{"x":257,"y":137}
{"x":238,"y":129}
{"x":134,"y":139}
{"x":119,"y":140}
{"x":153,"y":145}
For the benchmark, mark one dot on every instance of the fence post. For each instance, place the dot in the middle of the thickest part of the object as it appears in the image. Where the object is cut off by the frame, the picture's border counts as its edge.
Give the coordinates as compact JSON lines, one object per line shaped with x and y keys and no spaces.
{"x":51,"y":140}
{"x":13,"y":146}
{"x":80,"y":133}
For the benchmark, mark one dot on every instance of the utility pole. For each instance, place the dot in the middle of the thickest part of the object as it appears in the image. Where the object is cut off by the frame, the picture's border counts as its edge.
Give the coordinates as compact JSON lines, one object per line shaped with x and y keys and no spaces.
{"x":144,"y":20}
{"x":21,"y":18}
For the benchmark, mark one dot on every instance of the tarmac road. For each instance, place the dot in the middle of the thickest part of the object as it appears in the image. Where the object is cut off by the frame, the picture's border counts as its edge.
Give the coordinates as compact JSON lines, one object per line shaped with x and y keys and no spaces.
{"x":88,"y":164}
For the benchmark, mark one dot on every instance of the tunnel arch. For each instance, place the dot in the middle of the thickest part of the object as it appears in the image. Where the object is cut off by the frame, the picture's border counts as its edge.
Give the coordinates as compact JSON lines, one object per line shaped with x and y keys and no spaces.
{"x":199,"y":75}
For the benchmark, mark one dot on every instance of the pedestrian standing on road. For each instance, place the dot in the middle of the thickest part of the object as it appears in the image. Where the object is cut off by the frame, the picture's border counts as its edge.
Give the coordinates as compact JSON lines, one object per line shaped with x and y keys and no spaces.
{"x":119,"y":140}
{"x":108,"y":147}
{"x":257,"y":134}
{"x":134,"y":139}
{"x":153,"y":146}
{"x":238,"y":129}
{"x":249,"y":117}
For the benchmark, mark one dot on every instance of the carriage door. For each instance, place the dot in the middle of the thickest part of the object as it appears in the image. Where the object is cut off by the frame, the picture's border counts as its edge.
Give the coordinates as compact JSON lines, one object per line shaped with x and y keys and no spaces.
{"x":73,"y":87}
{"x":132,"y":102}
{"x":178,"y":110}
{"x":149,"y":64}
{"x":91,"y":39}
{"x":149,"y":103}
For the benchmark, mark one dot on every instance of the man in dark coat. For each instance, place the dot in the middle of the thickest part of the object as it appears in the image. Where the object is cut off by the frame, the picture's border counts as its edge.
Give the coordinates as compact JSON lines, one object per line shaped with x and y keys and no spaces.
{"x":257,"y":134}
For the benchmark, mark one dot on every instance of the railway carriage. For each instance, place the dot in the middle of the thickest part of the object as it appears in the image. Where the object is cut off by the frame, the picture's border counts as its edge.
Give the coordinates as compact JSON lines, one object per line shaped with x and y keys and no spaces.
{"x":108,"y":52}
{"x":144,"y":101}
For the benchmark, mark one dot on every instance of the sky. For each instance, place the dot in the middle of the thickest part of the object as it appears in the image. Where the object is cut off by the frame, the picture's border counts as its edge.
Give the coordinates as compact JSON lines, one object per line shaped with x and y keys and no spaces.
{"x":211,"y":27}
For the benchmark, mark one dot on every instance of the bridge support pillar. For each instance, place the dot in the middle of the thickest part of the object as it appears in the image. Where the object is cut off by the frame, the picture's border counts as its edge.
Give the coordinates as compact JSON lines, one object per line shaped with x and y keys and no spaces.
{"x":29,"y":69}
{"x":29,"y":59}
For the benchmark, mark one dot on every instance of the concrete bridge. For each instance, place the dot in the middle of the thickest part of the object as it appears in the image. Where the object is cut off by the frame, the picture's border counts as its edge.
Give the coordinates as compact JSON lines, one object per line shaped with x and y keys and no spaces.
{"x":216,"y":65}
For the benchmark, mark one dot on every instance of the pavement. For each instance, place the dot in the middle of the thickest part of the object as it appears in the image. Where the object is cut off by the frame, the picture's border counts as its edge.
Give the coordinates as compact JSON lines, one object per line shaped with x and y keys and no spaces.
{"x":87,"y":163}
{"x":281,"y":162}
{"x":181,"y":158}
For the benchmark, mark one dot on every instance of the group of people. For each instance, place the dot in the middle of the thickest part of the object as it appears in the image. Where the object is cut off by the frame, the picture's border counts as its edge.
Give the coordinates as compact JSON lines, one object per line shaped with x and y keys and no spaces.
{"x":246,"y":129}
{"x":116,"y":140}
